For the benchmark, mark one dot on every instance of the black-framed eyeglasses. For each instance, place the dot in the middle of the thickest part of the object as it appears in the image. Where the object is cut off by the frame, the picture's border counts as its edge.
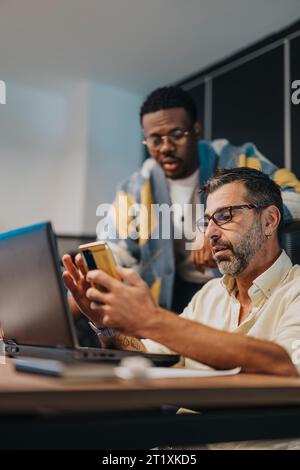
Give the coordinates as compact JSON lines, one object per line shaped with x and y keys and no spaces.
{"x":176,"y":137}
{"x":224,"y":215}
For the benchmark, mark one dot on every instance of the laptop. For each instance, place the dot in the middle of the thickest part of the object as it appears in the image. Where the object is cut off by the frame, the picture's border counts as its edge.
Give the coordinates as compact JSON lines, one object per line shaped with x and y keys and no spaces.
{"x":34,"y":314}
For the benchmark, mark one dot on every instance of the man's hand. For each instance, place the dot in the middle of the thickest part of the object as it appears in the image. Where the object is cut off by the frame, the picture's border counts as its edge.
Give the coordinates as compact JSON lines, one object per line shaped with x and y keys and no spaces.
{"x":129,"y":307}
{"x":75,"y":280}
{"x":202,"y":257}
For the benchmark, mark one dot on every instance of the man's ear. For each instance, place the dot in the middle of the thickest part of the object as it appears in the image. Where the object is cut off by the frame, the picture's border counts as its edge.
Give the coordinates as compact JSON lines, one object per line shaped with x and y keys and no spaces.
{"x":271,"y":218}
{"x":198,"y":130}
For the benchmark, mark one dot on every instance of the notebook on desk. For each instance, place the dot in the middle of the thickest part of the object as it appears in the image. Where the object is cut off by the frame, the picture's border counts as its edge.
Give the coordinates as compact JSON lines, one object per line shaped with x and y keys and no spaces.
{"x":34,"y":314}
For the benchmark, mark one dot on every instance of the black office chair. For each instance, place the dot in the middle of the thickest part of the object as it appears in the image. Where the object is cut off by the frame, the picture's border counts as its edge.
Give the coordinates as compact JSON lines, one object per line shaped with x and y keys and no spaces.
{"x":290,"y":241}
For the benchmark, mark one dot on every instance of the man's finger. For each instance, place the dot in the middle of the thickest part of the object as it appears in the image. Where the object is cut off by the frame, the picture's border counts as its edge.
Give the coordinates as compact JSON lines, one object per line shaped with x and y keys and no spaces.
{"x":133,"y":278}
{"x":72,"y":287}
{"x":96,"y":307}
{"x":70,"y":266}
{"x":68,"y":280}
{"x":102,"y":279}
{"x":199,"y":241}
{"x":95,"y":295}
{"x":80,"y":264}
{"x":208,"y":258}
{"x":109,"y":321}
{"x":98,"y":312}
{"x":200,"y":257}
{"x":197,"y":260}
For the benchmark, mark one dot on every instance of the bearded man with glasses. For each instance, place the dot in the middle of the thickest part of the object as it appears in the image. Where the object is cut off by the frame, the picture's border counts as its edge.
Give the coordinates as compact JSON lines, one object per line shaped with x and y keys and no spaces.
{"x":257,"y":297}
{"x":249,"y":318}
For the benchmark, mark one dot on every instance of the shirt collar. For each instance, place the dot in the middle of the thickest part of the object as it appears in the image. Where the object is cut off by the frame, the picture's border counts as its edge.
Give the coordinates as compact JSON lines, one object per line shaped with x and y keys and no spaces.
{"x":265,"y":283}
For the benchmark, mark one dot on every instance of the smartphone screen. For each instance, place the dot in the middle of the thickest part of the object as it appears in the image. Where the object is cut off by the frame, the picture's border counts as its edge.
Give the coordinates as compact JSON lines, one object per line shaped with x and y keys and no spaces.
{"x":89,"y":259}
{"x":98,"y":255}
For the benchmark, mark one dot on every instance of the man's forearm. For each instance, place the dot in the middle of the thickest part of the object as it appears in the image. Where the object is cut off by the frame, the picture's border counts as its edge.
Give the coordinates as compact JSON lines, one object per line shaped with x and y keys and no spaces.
{"x":219,"y":349}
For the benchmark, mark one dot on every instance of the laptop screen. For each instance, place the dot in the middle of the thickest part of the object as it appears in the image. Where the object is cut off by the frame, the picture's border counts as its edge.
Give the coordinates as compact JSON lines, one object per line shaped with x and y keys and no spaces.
{"x":33,"y":308}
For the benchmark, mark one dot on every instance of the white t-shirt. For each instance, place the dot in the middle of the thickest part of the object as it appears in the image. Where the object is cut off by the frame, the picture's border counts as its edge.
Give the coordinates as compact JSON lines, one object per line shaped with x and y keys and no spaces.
{"x":184,"y":194}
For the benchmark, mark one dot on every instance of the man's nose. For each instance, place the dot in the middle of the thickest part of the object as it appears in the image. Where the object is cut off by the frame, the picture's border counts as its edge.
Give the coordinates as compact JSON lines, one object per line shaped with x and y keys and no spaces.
{"x":166,"y":144}
{"x":212,"y":230}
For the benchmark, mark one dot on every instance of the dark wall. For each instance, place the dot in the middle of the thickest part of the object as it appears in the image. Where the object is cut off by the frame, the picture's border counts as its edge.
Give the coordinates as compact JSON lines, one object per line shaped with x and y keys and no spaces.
{"x":198,"y":95}
{"x":248,"y":105}
{"x":249,"y":99}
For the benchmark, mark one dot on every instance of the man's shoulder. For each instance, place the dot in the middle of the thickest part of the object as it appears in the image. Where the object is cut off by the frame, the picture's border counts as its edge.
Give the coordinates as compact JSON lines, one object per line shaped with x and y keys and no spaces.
{"x":133,"y":183}
{"x":292,"y":280}
{"x":220,"y":153}
{"x":138,"y":177}
{"x":230,"y":155}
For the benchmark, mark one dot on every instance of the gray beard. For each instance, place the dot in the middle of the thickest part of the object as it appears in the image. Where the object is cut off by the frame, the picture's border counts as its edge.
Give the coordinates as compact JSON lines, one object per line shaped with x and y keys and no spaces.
{"x":242,"y":253}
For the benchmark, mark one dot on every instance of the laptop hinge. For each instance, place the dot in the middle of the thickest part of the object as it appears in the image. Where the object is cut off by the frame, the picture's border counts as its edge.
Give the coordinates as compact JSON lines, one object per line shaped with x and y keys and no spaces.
{"x":11,"y":347}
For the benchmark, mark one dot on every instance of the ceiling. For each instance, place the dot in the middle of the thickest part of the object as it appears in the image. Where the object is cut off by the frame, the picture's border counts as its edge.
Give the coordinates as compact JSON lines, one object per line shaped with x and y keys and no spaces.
{"x":133,"y":44}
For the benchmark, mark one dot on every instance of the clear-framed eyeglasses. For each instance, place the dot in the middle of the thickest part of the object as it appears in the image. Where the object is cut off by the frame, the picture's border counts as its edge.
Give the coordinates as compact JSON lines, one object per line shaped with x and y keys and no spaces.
{"x":175,"y":137}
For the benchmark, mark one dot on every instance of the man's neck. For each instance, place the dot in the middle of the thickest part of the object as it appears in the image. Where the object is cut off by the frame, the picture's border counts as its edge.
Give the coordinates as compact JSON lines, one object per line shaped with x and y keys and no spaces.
{"x":258,"y":265}
{"x":187,"y":180}
{"x":194,"y":166}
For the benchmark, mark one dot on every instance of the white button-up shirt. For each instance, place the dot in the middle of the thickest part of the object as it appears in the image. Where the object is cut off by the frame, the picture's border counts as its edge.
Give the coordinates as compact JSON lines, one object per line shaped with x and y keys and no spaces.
{"x":275,"y":314}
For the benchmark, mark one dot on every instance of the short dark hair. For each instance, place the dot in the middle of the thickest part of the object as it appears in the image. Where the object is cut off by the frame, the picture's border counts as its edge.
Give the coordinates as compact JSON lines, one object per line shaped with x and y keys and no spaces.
{"x":169,"y":97}
{"x":261,"y":189}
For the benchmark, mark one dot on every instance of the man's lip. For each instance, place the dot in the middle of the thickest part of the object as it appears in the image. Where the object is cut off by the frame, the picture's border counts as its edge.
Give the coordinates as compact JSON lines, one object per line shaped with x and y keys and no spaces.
{"x":170,"y":166}
{"x":217,"y":249}
{"x":170,"y":160}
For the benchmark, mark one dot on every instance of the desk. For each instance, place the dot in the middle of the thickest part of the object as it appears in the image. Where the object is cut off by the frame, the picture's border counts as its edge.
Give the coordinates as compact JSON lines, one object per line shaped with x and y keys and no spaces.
{"x":41,"y":412}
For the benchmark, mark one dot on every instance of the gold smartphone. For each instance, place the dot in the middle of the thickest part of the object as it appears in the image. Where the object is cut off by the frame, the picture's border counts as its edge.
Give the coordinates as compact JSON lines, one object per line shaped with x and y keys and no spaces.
{"x":98,"y":255}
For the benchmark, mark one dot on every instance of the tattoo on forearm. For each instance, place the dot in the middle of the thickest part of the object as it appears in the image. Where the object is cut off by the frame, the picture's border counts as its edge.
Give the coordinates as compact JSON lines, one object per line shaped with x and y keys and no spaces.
{"x":129,"y":343}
